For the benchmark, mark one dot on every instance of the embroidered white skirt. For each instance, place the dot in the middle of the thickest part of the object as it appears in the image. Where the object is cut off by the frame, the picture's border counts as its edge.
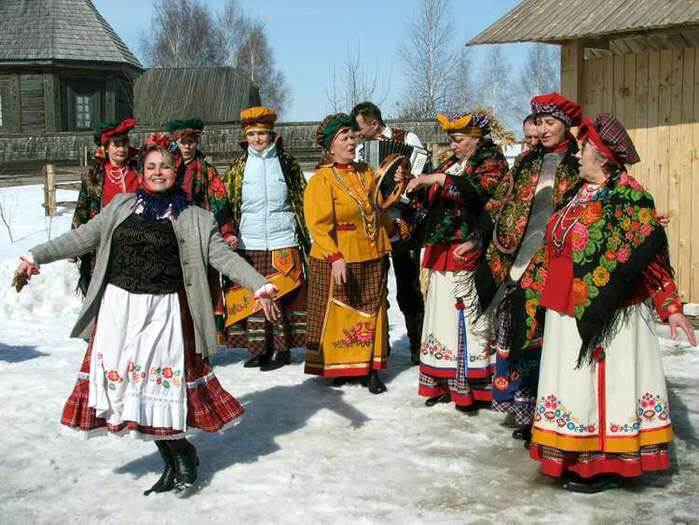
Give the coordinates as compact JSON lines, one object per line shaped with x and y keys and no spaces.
{"x":616,"y":404}
{"x":453,"y":349}
{"x":137,"y":369}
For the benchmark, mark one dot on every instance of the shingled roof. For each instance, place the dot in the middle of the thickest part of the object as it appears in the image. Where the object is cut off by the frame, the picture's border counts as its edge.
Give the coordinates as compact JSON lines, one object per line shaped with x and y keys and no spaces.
{"x":216,"y":94}
{"x":59,"y":30}
{"x":561,"y":20}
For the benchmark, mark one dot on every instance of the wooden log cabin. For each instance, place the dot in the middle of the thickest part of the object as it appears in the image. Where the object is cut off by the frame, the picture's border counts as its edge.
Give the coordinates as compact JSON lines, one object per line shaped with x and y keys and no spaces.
{"x":62,"y":67}
{"x":639,"y":60}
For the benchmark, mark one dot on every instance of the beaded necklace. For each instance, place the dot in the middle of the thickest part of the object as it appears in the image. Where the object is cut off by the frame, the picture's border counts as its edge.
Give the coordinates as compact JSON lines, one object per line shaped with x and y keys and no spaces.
{"x":569,"y":216}
{"x":361,"y":199}
{"x":116,"y":176}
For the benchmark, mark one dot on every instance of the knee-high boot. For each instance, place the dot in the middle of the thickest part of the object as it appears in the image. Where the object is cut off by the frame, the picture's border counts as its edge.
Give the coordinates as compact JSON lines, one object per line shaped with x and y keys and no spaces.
{"x":185,"y":458}
{"x":167,"y":478}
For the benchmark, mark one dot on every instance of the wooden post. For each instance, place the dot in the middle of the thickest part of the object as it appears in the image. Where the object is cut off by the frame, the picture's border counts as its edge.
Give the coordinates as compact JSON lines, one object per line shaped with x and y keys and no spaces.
{"x":50,"y":191}
{"x":572,"y":64}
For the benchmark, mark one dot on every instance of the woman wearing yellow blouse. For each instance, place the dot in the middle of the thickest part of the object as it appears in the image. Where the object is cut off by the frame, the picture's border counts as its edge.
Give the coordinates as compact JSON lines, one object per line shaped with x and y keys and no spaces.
{"x":346,"y":334}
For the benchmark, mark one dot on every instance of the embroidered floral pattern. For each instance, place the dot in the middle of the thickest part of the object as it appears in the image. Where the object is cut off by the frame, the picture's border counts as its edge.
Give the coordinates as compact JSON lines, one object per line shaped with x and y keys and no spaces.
{"x":652,"y":408}
{"x":550,"y":411}
{"x":361,"y":334}
{"x":136,"y":373}
{"x":437,"y":350}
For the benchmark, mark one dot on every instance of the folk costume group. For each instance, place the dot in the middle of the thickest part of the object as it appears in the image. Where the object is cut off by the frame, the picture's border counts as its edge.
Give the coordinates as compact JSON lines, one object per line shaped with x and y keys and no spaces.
{"x":526,"y":289}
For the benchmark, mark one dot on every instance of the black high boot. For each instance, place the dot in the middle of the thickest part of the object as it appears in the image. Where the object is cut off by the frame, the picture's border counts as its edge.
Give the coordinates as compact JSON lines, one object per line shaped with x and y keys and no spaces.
{"x":167,"y":478}
{"x":413,"y":325}
{"x":373,"y":383}
{"x":258,"y":360}
{"x":185,"y":458}
{"x":593,"y":485}
{"x":276,"y":360}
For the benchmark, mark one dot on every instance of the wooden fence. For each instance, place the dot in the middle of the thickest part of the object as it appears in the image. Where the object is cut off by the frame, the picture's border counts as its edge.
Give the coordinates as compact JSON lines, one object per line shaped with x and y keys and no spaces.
{"x":50,"y":173}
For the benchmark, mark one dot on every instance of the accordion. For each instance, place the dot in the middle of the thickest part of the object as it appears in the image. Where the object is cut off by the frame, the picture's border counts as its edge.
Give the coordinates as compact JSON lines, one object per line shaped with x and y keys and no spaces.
{"x":384,"y":157}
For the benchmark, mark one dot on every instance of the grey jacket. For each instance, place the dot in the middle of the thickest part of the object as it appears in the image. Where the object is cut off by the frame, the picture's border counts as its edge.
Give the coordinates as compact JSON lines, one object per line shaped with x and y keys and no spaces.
{"x":200,"y":245}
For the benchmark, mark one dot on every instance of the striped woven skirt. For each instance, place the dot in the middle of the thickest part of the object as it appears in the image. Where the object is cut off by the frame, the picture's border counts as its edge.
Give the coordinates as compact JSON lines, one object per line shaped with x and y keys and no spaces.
{"x":258,"y":335}
{"x":363,"y":293}
{"x":455,"y":355}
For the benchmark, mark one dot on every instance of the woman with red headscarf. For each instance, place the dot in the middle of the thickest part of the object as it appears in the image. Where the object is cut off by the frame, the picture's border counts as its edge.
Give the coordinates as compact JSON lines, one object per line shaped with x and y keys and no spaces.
{"x":525,"y":199}
{"x":112,"y":171}
{"x":602,"y":407}
{"x":148,"y":315}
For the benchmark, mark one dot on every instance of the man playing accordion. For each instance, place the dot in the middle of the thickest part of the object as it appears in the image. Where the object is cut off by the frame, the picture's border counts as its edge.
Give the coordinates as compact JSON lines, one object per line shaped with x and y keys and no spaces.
{"x":406,"y":257}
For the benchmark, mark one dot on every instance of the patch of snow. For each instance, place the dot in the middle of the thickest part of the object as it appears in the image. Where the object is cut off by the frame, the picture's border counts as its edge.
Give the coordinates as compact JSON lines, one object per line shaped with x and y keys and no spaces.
{"x":305,"y":452}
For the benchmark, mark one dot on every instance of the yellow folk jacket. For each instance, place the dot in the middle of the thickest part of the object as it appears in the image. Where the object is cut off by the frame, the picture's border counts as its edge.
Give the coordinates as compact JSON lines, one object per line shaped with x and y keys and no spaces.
{"x":334,"y":220}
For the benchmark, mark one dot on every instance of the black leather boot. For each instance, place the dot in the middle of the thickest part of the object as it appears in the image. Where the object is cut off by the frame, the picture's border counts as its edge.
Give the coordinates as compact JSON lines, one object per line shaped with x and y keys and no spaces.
{"x":413,"y":325}
{"x":373,"y":383}
{"x":592,"y":485}
{"x":167,"y":479}
{"x":185,"y":458}
{"x":524,"y":433}
{"x":432,"y":401}
{"x":276,"y":360}
{"x":257,"y":360}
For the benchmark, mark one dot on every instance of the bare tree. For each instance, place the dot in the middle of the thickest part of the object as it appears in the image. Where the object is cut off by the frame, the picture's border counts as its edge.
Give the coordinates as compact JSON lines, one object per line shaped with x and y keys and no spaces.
{"x":187,"y":33}
{"x":463,"y":90}
{"x":7,"y":212}
{"x":254,"y":58}
{"x":494,"y":88}
{"x":428,"y":58}
{"x":354,"y":84}
{"x":539,"y":74}
{"x":184,"y":34}
{"x":234,"y":27}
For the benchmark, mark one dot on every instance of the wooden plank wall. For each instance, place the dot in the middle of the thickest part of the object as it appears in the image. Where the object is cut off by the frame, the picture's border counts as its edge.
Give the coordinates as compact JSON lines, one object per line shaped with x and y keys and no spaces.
{"x":31,"y":95}
{"x":655,"y":94}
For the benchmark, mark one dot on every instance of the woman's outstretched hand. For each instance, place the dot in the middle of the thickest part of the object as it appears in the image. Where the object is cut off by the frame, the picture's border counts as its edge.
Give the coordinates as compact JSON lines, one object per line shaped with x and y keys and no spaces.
{"x":265,"y":298}
{"x":464,"y":248}
{"x":678,"y":320}
{"x":270,"y":309}
{"x":23,"y":274}
{"x":425,"y":181}
{"x":231,"y":241}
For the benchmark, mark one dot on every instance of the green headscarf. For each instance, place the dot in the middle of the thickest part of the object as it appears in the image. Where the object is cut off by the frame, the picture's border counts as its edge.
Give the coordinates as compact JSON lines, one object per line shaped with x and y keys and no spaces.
{"x":331,"y":125}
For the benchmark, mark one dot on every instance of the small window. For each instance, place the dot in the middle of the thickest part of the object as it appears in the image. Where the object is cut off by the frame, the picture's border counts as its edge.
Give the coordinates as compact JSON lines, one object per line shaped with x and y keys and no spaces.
{"x":83,"y":113}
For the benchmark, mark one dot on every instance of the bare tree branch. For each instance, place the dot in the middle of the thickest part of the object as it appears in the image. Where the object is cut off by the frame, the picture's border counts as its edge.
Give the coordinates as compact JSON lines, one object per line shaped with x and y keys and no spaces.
{"x":357,"y":84}
{"x":430,"y":62}
{"x":7,"y":215}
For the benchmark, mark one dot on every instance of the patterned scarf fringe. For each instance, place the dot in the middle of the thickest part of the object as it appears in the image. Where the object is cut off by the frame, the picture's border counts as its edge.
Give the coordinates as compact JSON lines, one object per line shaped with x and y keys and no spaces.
{"x":598,"y":329}
{"x":155,"y":206}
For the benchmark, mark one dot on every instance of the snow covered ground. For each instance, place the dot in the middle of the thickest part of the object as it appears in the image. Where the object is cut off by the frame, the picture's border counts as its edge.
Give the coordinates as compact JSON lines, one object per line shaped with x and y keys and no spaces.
{"x":304,"y":453}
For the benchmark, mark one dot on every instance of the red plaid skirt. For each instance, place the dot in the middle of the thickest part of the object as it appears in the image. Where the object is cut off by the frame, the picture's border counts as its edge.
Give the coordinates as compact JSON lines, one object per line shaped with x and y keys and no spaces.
{"x":209,"y":407}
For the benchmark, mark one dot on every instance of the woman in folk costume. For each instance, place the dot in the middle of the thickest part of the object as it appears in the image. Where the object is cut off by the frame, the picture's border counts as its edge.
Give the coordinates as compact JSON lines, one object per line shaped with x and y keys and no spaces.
{"x":524,"y":203}
{"x":204,"y":188}
{"x":149,"y":318}
{"x":265,"y":186}
{"x":347,"y":332}
{"x":455,"y":358}
{"x":602,"y":408}
{"x":112,"y":171}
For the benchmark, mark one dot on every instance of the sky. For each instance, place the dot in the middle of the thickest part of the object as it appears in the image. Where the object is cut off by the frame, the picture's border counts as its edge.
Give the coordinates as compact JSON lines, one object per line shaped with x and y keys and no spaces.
{"x":310,"y":37}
